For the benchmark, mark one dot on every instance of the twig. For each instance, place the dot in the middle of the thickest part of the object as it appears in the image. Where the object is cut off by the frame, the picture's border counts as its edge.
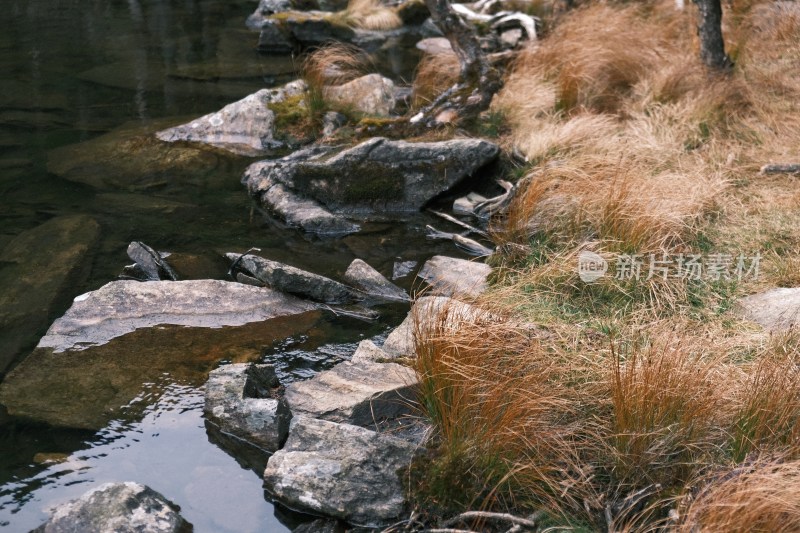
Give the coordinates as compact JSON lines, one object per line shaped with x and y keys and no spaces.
{"x":504,"y":517}
{"x":461,"y":223}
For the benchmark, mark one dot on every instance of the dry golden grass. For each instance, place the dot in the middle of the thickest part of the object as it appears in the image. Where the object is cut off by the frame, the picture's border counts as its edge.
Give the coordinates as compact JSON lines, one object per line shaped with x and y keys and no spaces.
{"x":331,"y":64}
{"x":624,"y":385}
{"x":435,"y":73}
{"x":371,"y":15}
{"x":763,"y":496}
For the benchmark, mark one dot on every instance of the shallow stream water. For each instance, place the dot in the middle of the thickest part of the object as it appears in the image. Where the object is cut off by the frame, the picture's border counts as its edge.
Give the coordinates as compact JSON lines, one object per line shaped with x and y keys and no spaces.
{"x":76,"y":71}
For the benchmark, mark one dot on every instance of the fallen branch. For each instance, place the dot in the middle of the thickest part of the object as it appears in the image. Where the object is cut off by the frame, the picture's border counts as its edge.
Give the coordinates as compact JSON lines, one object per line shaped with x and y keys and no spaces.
{"x":485,"y":515}
{"x":781,"y":168}
{"x":461,"y":223}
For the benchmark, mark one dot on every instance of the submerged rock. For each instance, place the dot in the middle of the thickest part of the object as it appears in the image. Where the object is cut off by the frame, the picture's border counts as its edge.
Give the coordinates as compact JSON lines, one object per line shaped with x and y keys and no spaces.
{"x":293,"y":280}
{"x":372,"y":283}
{"x":377,"y":178}
{"x":150,"y":262}
{"x":372,"y":94}
{"x":246,"y":127}
{"x":97,"y":358}
{"x":362,"y":394}
{"x":38,"y":269}
{"x":238,"y":400}
{"x":775,"y":309}
{"x":126,"y":507}
{"x":341,"y":471}
{"x":449,"y":276}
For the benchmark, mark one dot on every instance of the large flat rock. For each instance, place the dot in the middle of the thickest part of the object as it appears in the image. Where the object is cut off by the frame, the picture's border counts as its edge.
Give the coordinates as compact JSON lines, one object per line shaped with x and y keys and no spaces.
{"x":121,"y":307}
{"x":377,"y":178}
{"x":38,"y":268}
{"x":449,"y":276}
{"x":776,"y":309}
{"x":362,"y":393}
{"x":126,"y":507}
{"x":99,"y":356}
{"x":341,"y":471}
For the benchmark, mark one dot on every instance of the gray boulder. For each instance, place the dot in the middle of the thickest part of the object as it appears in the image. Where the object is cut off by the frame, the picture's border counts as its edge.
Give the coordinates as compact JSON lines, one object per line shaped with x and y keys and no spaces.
{"x":96,"y":359}
{"x":378,"y":177}
{"x":246,"y":127}
{"x":302,"y":212}
{"x":239,"y":401}
{"x":372,"y":94}
{"x":362,"y":394}
{"x":38,"y":269}
{"x":449,"y":276}
{"x":126,"y":507}
{"x":293,"y":280}
{"x":776,"y":309}
{"x":372,"y":283}
{"x":341,"y":471}
{"x":444,"y":311}
{"x":368,"y":352}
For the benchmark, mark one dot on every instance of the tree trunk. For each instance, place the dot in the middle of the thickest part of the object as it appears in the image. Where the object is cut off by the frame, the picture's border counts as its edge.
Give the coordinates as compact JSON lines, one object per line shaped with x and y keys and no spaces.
{"x":709,"y":29}
{"x":478,"y":79}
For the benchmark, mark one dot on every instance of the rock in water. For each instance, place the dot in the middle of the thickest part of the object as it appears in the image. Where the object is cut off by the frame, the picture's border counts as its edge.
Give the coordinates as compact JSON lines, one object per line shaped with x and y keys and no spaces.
{"x":372,"y":94}
{"x":98,"y":356}
{"x":371,"y":282}
{"x":294,"y":281}
{"x":362,"y":394}
{"x":377,"y":178}
{"x":776,"y":309}
{"x":341,"y":471}
{"x":238,"y":401}
{"x":38,"y":269}
{"x":302,"y":212}
{"x":153,"y":265}
{"x":246,"y":127}
{"x":449,"y":276}
{"x":119,"y":507}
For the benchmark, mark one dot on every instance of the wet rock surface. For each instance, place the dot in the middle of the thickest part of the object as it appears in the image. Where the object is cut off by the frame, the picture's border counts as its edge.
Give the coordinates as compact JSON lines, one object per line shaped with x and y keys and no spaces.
{"x":246,"y":127}
{"x":449,"y":276}
{"x":372,"y":283}
{"x":776,"y":309}
{"x":378,"y":177}
{"x":126,"y":507}
{"x":85,"y":387}
{"x":358,"y":393}
{"x":38,"y":269}
{"x":121,"y":307}
{"x":293,"y":280}
{"x":340,"y":471}
{"x":238,"y":399}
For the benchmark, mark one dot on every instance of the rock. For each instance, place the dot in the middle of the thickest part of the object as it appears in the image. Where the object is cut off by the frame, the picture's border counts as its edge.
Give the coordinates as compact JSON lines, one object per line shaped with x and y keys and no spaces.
{"x":449,"y":276}
{"x":401,"y":342}
{"x":38,"y":270}
{"x":97,"y":358}
{"x":121,"y":307}
{"x":341,"y":471}
{"x":372,"y":94}
{"x":369,"y":352}
{"x":266,"y":8}
{"x":150,"y":262}
{"x":246,"y":127}
{"x":776,"y":309}
{"x":332,"y":121}
{"x":294,"y":281}
{"x":238,"y":400}
{"x":147,"y":161}
{"x":362,"y":394}
{"x":273,"y":40}
{"x":401,"y":269}
{"x":119,"y":507}
{"x":371,"y":282}
{"x":318,"y":526}
{"x":378,"y":177}
{"x":302,"y":212}
{"x":435,"y":46}
{"x":465,"y":205}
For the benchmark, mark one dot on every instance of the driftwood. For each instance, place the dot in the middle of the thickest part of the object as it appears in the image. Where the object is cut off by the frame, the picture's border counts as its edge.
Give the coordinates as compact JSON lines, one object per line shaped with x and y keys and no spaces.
{"x":460,"y":223}
{"x":495,"y":517}
{"x":478,"y":82}
{"x":781,"y":168}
